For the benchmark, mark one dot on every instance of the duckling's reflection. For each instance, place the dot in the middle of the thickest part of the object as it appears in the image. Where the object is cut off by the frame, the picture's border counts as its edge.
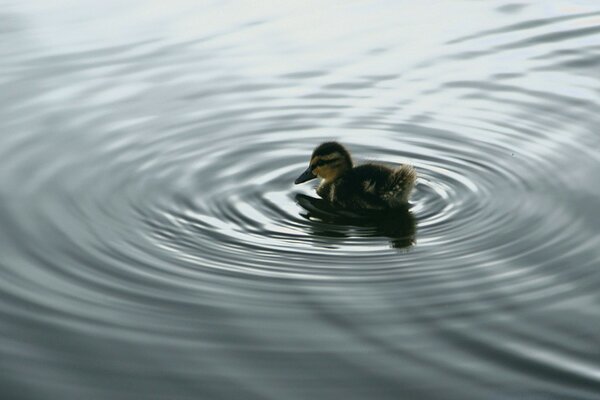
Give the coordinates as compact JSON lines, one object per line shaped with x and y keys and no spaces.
{"x":398,"y":224}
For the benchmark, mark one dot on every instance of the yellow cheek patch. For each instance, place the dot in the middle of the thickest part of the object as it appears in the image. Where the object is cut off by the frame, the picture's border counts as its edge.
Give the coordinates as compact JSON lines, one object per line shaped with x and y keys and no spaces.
{"x":329,"y":170}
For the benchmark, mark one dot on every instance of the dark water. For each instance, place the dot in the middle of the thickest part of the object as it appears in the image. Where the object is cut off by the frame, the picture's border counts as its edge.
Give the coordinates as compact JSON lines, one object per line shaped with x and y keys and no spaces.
{"x":153,"y":245}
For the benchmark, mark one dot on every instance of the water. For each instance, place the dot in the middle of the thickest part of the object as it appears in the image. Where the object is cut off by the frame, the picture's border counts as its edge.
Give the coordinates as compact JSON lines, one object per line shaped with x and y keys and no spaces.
{"x":153,"y":245}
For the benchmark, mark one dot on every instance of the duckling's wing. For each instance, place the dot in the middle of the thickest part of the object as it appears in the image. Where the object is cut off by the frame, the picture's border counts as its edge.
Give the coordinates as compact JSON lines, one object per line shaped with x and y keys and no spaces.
{"x":361,"y":189}
{"x":360,"y":200}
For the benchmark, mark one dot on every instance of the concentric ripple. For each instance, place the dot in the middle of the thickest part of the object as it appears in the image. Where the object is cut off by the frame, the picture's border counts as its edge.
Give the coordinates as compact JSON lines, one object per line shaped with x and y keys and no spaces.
{"x":154,"y":245}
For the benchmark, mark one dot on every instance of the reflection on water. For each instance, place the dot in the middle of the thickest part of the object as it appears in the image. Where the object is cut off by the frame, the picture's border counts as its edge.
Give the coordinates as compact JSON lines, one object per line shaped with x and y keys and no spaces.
{"x":153,"y":244}
{"x":326,"y":221}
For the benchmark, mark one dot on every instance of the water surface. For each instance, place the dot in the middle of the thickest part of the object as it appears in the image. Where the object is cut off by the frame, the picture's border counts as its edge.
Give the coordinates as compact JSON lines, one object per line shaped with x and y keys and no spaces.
{"x":153,"y":244}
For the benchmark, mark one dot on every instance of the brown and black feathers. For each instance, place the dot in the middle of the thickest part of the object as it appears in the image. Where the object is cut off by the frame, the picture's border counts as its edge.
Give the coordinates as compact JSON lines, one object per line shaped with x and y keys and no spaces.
{"x":368,"y":186}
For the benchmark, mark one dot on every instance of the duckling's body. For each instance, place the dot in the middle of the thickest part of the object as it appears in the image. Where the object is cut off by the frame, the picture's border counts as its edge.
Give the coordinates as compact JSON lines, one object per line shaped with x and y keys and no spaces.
{"x":367,"y":187}
{"x":370,"y":186}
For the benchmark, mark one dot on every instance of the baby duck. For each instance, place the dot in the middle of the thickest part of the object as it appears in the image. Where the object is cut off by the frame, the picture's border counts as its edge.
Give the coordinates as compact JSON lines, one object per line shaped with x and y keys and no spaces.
{"x":365,"y":187}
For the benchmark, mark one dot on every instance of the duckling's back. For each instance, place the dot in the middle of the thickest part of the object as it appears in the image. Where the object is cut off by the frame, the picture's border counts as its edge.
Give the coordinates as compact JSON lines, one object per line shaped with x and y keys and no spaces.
{"x":374,"y":186}
{"x":401,"y":183}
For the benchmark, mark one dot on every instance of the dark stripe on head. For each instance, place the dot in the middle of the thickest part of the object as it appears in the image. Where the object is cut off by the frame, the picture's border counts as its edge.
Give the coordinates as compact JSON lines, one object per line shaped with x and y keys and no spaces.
{"x":329,"y":148}
{"x":322,"y":162}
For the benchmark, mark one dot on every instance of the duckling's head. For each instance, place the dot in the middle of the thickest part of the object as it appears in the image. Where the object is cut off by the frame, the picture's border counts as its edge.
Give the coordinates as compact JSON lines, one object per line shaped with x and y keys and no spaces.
{"x":329,"y":161}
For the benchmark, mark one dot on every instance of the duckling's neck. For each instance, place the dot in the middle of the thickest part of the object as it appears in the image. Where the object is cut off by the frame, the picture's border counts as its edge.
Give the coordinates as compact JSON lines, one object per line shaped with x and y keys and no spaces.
{"x":326,"y":188}
{"x":334,"y":176}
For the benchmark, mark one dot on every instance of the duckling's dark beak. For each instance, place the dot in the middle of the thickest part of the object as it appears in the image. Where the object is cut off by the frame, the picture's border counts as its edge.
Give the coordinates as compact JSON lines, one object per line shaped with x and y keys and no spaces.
{"x":306,"y":176}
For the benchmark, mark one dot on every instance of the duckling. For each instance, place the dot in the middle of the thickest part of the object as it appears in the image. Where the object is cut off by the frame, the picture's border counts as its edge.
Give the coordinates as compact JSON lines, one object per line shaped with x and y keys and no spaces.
{"x":365,"y":187}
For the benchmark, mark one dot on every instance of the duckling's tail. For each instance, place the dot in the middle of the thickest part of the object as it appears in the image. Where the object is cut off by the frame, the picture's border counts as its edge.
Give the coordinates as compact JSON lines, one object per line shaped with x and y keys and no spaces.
{"x":402,"y":183}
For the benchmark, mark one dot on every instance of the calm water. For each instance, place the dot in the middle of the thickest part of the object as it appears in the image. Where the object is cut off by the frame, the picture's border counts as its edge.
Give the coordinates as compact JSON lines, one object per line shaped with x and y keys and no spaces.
{"x":153,"y":245}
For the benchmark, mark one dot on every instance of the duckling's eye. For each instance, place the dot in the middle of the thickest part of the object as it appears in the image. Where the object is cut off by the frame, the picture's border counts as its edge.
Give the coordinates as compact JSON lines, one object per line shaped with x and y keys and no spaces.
{"x":320,"y":163}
